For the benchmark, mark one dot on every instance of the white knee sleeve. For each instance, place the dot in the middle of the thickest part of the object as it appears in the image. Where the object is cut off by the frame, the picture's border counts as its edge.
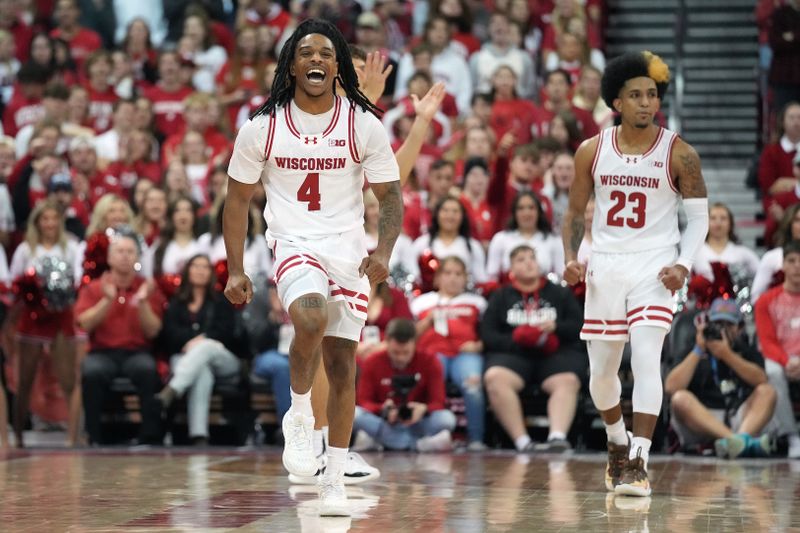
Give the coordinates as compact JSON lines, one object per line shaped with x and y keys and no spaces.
{"x":646,"y":345}
{"x":604,"y":360}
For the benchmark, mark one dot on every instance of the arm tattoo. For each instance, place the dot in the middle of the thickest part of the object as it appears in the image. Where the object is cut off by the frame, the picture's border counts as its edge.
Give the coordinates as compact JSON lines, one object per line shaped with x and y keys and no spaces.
{"x":311,"y":302}
{"x":690,"y":177}
{"x":391,"y":215}
{"x":576,"y":230}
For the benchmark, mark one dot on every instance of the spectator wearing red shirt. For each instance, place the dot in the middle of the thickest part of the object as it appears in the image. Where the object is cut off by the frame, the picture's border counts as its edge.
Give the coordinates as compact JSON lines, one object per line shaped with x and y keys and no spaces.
{"x":778,"y":329}
{"x":265,"y":13}
{"x":459,"y":15}
{"x":11,"y":22}
{"x":101,"y":92}
{"x":84,"y":169}
{"x":510,"y":114}
{"x":474,"y":200}
{"x":385,"y":304}
{"x":418,"y":206}
{"x":556,"y":98}
{"x":168,"y":95}
{"x":400,"y":397}
{"x":135,"y":162}
{"x":197,"y":116}
{"x":82,"y":41}
{"x":138,"y":45}
{"x":26,"y":106}
{"x":780,"y":202}
{"x":522,"y":173}
{"x":122,"y":314}
{"x":478,"y":142}
{"x":238,"y":79}
{"x":775,"y":167}
{"x":447,"y":327}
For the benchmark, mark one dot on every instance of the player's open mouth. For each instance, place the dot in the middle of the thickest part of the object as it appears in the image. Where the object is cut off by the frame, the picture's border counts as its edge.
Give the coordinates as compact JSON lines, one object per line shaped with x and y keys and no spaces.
{"x":316,"y":76}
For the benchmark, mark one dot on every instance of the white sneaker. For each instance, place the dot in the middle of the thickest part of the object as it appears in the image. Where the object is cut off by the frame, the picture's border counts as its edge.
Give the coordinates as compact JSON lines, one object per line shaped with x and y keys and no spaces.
{"x":298,"y":451}
{"x":356,"y":470}
{"x":322,"y":461}
{"x":332,"y":497}
{"x":364,"y":443}
{"x":441,"y":442}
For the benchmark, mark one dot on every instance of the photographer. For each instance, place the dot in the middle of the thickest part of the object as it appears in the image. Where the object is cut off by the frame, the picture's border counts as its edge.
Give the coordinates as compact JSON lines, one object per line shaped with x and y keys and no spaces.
{"x":719,"y":390}
{"x":400,"y":397}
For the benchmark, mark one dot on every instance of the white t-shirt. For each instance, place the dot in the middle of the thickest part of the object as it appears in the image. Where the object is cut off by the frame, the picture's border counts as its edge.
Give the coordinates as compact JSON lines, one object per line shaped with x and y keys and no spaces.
{"x":5,"y":276}
{"x":175,"y":257}
{"x":107,"y":145}
{"x":24,"y":259}
{"x":7,"y":223}
{"x":473,"y":256}
{"x":402,"y":248}
{"x":314,"y":167}
{"x":549,"y":252}
{"x":257,"y":257}
{"x":771,"y":263}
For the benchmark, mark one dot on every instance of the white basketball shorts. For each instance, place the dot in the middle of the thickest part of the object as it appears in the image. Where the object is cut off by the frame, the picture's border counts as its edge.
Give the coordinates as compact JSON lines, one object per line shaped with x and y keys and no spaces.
{"x":329,"y":267}
{"x":623,"y":291}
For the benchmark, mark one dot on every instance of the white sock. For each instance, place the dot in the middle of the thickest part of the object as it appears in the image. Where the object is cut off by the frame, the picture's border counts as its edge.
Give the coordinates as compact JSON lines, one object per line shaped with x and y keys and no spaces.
{"x":616,"y":433}
{"x":643,"y":444}
{"x":521,"y":442}
{"x":319,"y":447}
{"x":301,"y":403}
{"x":557,"y":435}
{"x":336,"y":460}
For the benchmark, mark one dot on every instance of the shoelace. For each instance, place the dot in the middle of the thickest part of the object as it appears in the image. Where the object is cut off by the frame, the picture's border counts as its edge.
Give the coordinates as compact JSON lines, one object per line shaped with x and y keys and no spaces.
{"x":299,"y":436}
{"x":333,"y":486}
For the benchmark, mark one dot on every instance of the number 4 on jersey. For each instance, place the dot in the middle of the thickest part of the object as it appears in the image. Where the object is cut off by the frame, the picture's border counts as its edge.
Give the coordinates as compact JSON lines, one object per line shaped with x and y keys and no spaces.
{"x":309,"y":192}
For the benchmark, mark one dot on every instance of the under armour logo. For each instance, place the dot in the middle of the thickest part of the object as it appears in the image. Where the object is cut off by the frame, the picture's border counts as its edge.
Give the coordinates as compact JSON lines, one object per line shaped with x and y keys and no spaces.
{"x":311,"y":140}
{"x":628,"y":160}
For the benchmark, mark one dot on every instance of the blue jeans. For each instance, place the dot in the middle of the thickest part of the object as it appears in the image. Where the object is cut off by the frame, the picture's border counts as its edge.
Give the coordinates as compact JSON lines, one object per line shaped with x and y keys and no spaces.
{"x":274,"y":366}
{"x":465,"y":370}
{"x":398,"y":436}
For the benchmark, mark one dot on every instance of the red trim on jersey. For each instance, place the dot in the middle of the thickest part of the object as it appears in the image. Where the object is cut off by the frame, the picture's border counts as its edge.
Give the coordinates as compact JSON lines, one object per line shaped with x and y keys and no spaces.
{"x":270,"y":137}
{"x":668,"y":165}
{"x":596,"y":157}
{"x":287,"y":113}
{"x":352,"y":294}
{"x":606,"y":322}
{"x":314,"y":260}
{"x":651,"y":317}
{"x":655,"y":144}
{"x":605,"y":331}
{"x":297,"y":264}
{"x":351,"y":136}
{"x":614,"y":141}
{"x":649,"y":308}
{"x":280,"y":268}
{"x":337,"y":107}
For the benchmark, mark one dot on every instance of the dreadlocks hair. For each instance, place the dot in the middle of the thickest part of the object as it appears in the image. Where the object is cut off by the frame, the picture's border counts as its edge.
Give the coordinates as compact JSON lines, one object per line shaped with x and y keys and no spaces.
{"x":633,"y":65}
{"x":284,"y":84}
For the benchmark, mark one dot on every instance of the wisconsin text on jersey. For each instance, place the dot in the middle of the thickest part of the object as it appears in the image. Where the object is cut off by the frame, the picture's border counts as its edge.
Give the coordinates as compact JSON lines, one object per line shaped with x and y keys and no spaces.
{"x":311,"y":163}
{"x":629,"y":181}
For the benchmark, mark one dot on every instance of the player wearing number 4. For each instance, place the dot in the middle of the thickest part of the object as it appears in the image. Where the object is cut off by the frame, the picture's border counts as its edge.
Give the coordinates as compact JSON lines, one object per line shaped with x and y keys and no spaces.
{"x":315,"y":149}
{"x":638,"y":172}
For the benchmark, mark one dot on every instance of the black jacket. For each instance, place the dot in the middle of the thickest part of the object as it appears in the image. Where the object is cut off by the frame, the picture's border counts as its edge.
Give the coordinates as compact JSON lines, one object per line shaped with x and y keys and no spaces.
{"x":217,"y":319}
{"x":509,"y":308}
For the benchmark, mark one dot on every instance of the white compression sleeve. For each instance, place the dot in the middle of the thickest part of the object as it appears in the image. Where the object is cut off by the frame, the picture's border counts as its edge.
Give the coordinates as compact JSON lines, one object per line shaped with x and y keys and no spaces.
{"x":694,"y":235}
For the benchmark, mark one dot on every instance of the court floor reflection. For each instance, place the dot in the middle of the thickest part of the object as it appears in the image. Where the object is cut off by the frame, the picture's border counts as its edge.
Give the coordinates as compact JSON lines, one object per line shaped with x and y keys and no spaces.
{"x":246,"y":490}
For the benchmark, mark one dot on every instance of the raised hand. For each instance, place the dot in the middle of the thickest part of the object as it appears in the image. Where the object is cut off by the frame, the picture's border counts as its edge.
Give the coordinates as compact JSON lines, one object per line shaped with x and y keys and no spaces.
{"x":372,"y":81}
{"x":427,"y":107}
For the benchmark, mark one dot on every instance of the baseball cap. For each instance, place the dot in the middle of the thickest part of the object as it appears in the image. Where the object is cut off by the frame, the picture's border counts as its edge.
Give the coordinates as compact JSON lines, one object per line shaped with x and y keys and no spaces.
{"x":60,"y":182}
{"x":726,"y":310}
{"x":368,"y":19}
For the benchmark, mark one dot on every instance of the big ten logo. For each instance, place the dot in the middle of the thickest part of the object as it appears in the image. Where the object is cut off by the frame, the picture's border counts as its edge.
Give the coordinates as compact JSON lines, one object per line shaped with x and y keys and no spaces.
{"x":657,"y":164}
{"x":335,"y":142}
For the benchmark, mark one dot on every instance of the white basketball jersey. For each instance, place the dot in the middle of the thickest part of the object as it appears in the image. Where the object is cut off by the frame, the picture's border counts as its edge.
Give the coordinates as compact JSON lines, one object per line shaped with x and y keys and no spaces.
{"x":636,"y":201}
{"x":314,"y":180}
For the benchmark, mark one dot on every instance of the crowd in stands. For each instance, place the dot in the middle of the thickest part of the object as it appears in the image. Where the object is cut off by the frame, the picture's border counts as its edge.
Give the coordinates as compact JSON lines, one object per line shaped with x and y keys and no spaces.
{"x":118,"y":121}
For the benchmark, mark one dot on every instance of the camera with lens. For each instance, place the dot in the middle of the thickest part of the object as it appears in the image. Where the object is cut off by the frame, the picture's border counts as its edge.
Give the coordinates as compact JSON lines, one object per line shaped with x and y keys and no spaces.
{"x":713,"y":331}
{"x":402,"y":385}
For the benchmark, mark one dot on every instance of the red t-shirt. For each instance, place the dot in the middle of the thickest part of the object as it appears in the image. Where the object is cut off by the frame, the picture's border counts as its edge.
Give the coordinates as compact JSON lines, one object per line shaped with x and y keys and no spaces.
{"x":461,"y":314}
{"x":20,"y":112}
{"x":277,"y":18}
{"x":214,"y":140}
{"x":82,"y":44}
{"x":375,"y":383}
{"x":778,"y":324}
{"x":121,"y":329}
{"x":101,"y":108}
{"x":168,"y":108}
{"x":22,"y":35}
{"x":774,"y":163}
{"x":468,"y":41}
{"x":398,"y":309}
{"x":481,"y":223}
{"x":586,"y":123}
{"x":502,"y":193}
{"x":516,"y":116}
{"x":417,"y":217}
{"x":128,"y":174}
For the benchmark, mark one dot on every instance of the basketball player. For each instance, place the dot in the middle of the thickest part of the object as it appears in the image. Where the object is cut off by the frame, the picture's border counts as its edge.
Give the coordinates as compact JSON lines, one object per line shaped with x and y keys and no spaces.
{"x":638,"y":172}
{"x":315,"y":149}
{"x":372,"y":72}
